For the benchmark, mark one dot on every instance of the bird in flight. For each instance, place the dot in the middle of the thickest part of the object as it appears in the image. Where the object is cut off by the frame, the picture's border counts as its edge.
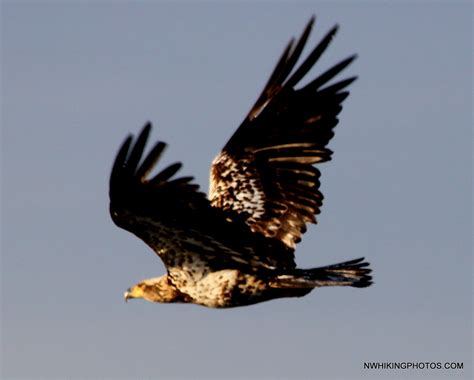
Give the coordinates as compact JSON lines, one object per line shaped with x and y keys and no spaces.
{"x":237,"y":246}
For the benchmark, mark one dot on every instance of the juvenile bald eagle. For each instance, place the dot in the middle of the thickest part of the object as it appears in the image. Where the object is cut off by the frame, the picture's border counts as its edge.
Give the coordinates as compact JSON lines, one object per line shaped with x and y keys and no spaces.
{"x":237,"y":246}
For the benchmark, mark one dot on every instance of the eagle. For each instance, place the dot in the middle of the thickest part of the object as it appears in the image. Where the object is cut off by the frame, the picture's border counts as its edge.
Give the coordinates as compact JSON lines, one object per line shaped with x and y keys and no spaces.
{"x":236,"y":246}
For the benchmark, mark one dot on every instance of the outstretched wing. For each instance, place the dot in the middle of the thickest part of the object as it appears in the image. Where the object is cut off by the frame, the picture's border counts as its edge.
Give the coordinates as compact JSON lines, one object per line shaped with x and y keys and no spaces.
{"x":265,"y":172}
{"x":147,"y":206}
{"x":159,"y":196}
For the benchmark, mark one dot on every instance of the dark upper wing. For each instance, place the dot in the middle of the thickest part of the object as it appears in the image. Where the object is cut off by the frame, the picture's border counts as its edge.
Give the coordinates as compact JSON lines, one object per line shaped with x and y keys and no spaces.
{"x":144,"y":205}
{"x":265,"y":172}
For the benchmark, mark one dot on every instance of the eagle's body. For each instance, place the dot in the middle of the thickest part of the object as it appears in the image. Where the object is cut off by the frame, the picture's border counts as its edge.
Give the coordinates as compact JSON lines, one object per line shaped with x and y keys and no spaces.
{"x":194,"y":251}
{"x":237,"y":247}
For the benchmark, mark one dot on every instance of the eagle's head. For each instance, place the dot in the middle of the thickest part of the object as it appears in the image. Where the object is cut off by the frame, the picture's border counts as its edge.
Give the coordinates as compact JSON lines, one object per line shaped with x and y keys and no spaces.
{"x":158,"y":289}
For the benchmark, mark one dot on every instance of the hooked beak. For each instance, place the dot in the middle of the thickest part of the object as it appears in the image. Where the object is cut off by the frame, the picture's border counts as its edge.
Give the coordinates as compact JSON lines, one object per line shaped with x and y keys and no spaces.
{"x":127,"y":295}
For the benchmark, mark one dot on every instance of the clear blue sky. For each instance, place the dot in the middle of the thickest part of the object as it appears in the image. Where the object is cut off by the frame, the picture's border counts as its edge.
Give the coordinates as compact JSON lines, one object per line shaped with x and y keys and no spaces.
{"x":78,"y":76}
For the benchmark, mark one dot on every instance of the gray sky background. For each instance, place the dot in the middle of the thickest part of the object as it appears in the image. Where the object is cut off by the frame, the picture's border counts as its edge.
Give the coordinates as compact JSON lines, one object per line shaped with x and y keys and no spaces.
{"x":78,"y":76}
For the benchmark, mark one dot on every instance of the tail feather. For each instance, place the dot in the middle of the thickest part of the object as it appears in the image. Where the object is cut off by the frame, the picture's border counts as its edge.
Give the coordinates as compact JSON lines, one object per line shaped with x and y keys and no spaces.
{"x":349,"y":273}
